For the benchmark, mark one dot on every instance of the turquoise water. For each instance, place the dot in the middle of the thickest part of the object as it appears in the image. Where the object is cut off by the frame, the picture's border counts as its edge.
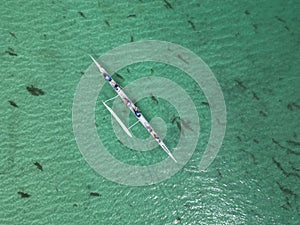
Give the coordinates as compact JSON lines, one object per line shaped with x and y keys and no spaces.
{"x":251,"y":47}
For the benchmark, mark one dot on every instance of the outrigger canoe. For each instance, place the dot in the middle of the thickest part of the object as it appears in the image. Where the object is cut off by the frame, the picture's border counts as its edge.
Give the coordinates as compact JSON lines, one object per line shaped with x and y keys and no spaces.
{"x":132,"y":108}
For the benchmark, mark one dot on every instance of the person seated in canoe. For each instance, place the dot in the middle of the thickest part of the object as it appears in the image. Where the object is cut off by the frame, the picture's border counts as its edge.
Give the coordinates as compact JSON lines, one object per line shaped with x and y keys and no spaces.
{"x":156,"y":137}
{"x":127,"y":102}
{"x":117,"y":87}
{"x":149,"y":128}
{"x":108,"y":78}
{"x":137,"y":112}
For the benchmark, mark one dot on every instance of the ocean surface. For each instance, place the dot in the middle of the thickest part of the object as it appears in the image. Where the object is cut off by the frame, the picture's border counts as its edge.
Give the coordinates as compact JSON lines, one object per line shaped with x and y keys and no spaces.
{"x":251,"y":47}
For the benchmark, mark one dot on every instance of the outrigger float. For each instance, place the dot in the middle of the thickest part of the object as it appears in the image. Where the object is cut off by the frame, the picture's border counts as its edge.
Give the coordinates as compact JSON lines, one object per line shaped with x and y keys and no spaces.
{"x":132,"y":108}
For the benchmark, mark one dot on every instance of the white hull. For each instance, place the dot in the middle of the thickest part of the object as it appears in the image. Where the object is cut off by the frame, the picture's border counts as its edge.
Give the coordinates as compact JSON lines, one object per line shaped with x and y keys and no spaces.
{"x":133,"y":109}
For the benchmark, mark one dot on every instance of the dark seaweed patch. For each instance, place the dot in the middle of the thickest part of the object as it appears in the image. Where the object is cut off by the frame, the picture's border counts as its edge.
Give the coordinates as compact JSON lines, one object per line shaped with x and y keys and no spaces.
{"x":280,"y":19}
{"x":277,"y":143}
{"x":287,"y":28}
{"x":107,"y":23}
{"x":283,"y":21}
{"x":287,"y":174}
{"x":293,"y":174}
{"x":35,"y":91}
{"x":120,"y":142}
{"x":154,"y":99}
{"x":179,"y":126}
{"x":12,"y":34}
{"x":293,"y":167}
{"x":175,"y":118}
{"x":256,"y":141}
{"x":23,"y":194}
{"x":295,"y":134}
{"x":292,"y":106}
{"x":39,"y":166}
{"x":287,"y":204}
{"x":263,"y":113}
{"x":11,"y":51}
{"x":119,"y":77}
{"x":255,"y":95}
{"x":182,"y":59}
{"x":13,"y":103}
{"x":294,"y":143}
{"x":251,"y":155}
{"x":82,"y":15}
{"x":278,"y":165}
{"x":95,"y":194}
{"x":286,"y":190}
{"x":240,"y":84}
{"x":168,"y":4}
{"x":192,"y":24}
{"x":254,"y":25}
{"x":131,"y":16}
{"x":247,"y":12}
{"x":290,"y":151}
{"x":219,"y":173}
{"x":205,"y":103}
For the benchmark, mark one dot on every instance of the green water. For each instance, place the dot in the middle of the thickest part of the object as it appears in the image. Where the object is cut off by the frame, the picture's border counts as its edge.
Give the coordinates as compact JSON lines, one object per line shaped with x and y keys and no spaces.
{"x":252,"y":47}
